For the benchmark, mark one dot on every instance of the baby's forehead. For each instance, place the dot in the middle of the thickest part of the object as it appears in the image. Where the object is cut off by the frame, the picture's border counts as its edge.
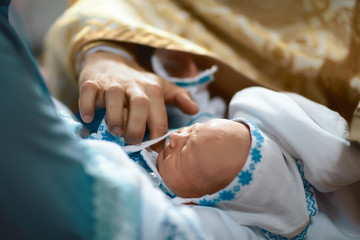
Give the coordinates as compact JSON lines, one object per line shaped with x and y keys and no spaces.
{"x":211,"y":136}
{"x":221,"y":136}
{"x":216,"y":126}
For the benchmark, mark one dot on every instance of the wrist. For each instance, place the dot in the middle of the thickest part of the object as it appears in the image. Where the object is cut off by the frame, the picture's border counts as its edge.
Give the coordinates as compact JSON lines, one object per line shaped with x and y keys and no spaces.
{"x":104,"y":49}
{"x":117,"y":51}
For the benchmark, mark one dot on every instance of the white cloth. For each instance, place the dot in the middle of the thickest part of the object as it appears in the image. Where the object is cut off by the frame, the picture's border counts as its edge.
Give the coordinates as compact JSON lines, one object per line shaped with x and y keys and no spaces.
{"x":305,"y":130}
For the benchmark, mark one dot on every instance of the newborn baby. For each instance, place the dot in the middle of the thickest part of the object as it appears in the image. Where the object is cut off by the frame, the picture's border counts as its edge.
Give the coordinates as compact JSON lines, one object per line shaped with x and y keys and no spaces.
{"x":234,"y":166}
{"x":205,"y":157}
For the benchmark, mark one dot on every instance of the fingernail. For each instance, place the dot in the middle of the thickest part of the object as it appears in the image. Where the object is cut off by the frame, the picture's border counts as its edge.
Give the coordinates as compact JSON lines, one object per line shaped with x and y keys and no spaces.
{"x":86,"y":118}
{"x":116,"y":131}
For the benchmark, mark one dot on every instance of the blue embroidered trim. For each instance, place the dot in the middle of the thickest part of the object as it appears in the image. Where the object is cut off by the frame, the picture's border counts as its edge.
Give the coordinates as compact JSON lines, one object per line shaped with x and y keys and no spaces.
{"x":245,"y":176}
{"x":309,"y":191}
{"x":272,"y":236}
{"x":311,"y":205}
{"x":269,"y":235}
{"x":203,"y":79}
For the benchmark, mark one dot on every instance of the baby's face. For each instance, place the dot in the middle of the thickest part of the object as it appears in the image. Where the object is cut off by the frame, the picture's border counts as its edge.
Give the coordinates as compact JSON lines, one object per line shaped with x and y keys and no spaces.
{"x":204,"y":158}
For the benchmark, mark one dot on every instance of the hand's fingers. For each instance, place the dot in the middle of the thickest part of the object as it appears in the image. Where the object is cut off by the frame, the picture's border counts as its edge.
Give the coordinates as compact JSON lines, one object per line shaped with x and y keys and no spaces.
{"x":184,"y":101}
{"x":157,"y":120}
{"x":114,"y":100}
{"x":88,"y":93}
{"x":179,"y":97}
{"x":137,"y":117}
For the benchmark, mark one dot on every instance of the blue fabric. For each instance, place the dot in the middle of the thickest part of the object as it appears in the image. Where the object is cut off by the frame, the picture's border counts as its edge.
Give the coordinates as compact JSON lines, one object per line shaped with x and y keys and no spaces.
{"x":44,"y":190}
{"x":94,"y":125}
{"x":4,"y":4}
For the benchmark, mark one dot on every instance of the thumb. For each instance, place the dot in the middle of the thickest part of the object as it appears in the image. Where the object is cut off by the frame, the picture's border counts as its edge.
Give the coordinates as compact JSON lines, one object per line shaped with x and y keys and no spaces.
{"x":179,"y":97}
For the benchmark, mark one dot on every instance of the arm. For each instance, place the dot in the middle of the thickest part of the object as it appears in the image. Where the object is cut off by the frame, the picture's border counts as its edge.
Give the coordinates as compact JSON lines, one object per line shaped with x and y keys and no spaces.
{"x":45,"y":192}
{"x":134,"y":98}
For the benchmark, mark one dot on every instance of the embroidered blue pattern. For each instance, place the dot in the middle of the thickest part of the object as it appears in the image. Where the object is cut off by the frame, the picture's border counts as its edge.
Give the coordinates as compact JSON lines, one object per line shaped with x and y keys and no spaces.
{"x":227,"y":195}
{"x":309,"y":191}
{"x":272,"y":236}
{"x":311,"y":205}
{"x":245,"y":177}
{"x":104,"y":134}
{"x":107,"y":136}
{"x":256,"y":155}
{"x":269,"y":235}
{"x":205,"y":202}
{"x":258,"y":136}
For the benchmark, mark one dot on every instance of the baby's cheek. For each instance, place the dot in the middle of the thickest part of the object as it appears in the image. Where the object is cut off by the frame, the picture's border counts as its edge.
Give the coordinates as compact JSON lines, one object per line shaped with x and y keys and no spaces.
{"x":168,"y":175}
{"x":161,"y":169}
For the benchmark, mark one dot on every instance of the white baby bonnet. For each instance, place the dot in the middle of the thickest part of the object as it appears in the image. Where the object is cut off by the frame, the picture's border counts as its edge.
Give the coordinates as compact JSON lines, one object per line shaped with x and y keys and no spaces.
{"x":268,"y":192}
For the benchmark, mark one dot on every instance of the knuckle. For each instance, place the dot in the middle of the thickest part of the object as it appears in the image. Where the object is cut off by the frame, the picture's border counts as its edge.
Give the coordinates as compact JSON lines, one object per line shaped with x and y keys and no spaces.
{"x":89,"y":85}
{"x":140,"y":100}
{"x":155,"y":90}
{"x":162,"y":128}
{"x":115,"y":88}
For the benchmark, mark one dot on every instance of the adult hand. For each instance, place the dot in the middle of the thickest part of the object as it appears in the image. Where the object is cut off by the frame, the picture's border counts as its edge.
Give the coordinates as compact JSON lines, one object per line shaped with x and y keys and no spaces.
{"x":134,"y":98}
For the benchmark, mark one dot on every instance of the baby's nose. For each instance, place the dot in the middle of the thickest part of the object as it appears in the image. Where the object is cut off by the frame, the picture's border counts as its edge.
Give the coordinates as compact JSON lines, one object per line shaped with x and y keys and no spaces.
{"x":176,"y":138}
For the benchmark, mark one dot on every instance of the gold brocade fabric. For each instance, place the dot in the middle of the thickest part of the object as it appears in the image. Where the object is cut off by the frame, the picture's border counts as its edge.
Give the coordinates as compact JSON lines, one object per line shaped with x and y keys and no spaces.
{"x":311,"y":47}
